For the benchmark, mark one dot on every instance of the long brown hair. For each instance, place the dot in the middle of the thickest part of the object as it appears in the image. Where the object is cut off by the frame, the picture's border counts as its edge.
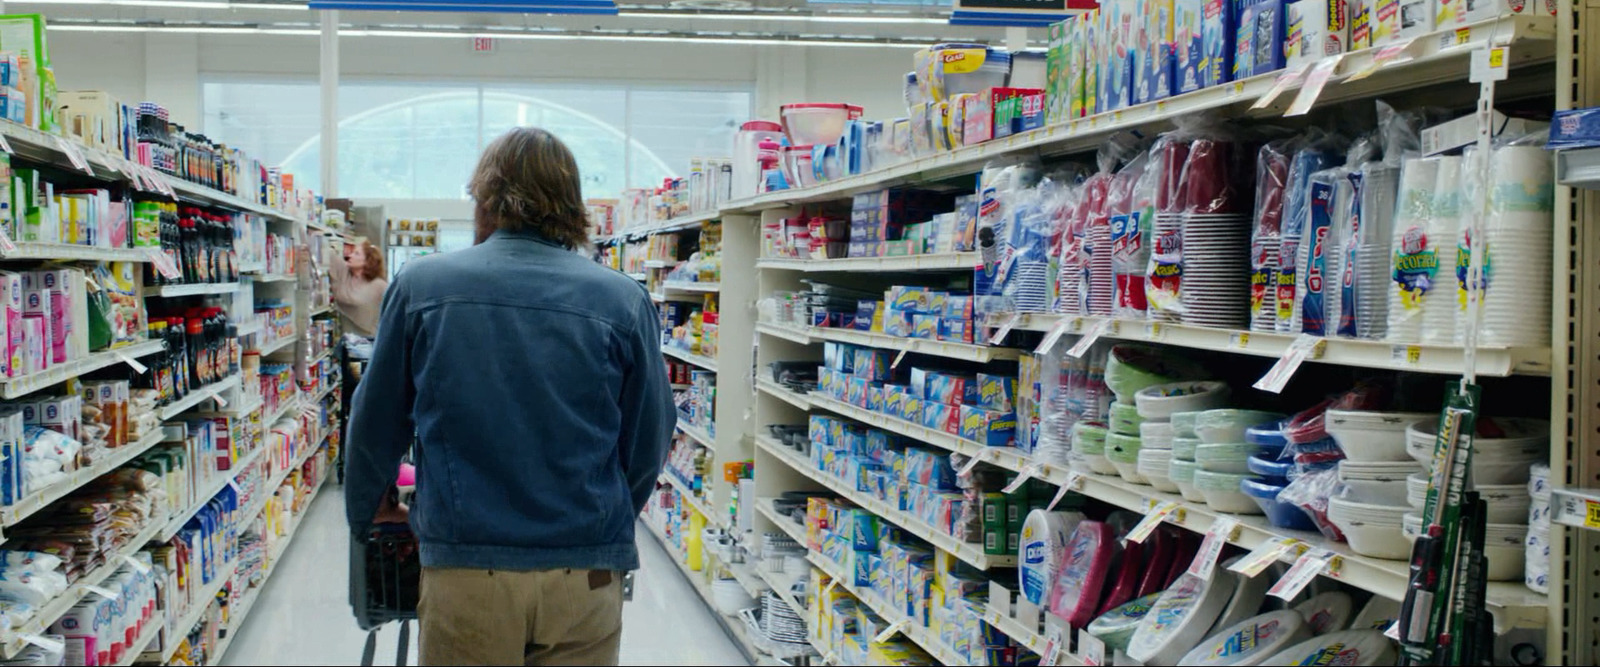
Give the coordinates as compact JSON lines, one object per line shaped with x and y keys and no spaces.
{"x":527,"y":181}
{"x":374,"y":266}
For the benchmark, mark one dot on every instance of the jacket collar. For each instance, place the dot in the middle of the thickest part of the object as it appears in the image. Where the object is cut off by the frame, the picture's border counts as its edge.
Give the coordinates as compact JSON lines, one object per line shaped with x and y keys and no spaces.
{"x":520,"y":235}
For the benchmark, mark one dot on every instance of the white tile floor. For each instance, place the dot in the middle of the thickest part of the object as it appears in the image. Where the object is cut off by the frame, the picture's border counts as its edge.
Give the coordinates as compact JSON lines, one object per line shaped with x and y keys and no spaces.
{"x":303,"y":615}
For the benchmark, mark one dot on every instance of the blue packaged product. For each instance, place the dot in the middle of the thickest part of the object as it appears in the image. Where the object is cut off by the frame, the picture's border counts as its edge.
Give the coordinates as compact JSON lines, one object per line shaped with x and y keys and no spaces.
{"x":941,"y":417}
{"x":1218,"y":30}
{"x":957,"y":307}
{"x":838,"y":356}
{"x":894,"y":399}
{"x":865,"y":311}
{"x":908,"y":299}
{"x":1575,"y":128}
{"x":864,"y":532}
{"x":937,"y":302}
{"x":1270,"y":15}
{"x":871,"y":363}
{"x":987,"y":427}
{"x":897,"y":322}
{"x":856,"y":391}
{"x":875,"y":398}
{"x":1188,"y":44}
{"x":952,"y":389}
{"x":1244,"y":40}
{"x":997,"y":392}
{"x":1350,"y":285}
{"x":1313,"y":305}
{"x":925,"y":327}
{"x":911,"y":409}
{"x":955,"y":331}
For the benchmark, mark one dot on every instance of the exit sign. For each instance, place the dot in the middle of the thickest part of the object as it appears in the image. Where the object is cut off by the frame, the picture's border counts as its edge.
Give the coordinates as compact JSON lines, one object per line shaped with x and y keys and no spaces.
{"x":482,"y":44}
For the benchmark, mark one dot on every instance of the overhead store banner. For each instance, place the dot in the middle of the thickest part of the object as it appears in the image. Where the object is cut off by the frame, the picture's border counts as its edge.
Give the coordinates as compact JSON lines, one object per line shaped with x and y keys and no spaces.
{"x":607,"y":7}
{"x":1016,"y":13}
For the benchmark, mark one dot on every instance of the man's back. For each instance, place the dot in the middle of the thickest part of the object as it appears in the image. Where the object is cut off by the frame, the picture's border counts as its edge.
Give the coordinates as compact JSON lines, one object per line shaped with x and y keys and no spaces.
{"x":540,"y":402}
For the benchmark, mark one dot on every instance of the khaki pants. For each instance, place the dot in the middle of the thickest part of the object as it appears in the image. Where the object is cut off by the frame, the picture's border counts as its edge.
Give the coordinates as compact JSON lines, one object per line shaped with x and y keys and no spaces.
{"x":500,"y":617}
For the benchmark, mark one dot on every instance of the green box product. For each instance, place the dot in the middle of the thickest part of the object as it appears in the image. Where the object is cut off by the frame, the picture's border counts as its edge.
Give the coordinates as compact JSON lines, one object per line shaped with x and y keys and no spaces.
{"x":1017,"y":511}
{"x":1013,"y":540}
{"x":994,"y":541}
{"x":1038,"y":488}
{"x":24,"y":35}
{"x":994,"y":510}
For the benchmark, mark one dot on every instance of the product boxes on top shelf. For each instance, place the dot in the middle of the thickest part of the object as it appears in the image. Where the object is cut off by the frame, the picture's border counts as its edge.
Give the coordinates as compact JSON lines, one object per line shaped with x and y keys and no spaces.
{"x":24,"y":36}
{"x":1316,"y":29}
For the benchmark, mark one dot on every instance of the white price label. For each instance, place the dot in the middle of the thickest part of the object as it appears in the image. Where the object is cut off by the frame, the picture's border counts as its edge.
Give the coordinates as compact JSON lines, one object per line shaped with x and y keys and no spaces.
{"x":1384,"y":56}
{"x":1089,"y":338}
{"x":1022,"y":478}
{"x":1315,"y":82}
{"x":138,"y":565}
{"x":49,"y":645}
{"x":130,"y":361}
{"x":102,"y":592}
{"x":5,"y":243}
{"x":1265,"y":554}
{"x":1057,"y":330}
{"x":1305,"y":569}
{"x":833,"y":583}
{"x":1218,"y":535}
{"x":1488,"y":64}
{"x":1060,"y":493}
{"x":1154,"y":331}
{"x":1005,"y":328}
{"x":221,"y":402}
{"x":164,"y":264}
{"x":891,"y":630}
{"x":74,"y":156}
{"x":1151,"y":520}
{"x":1054,"y":643}
{"x":1091,"y":649}
{"x":1393,"y":631}
{"x":1287,"y":79}
{"x":1304,"y":347}
{"x":1407,"y":354}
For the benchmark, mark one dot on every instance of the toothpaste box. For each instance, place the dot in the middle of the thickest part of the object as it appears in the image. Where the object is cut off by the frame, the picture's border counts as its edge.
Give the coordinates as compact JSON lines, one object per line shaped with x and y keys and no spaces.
{"x":942,"y":417}
{"x":988,"y":427}
{"x":997,"y":392}
{"x":1315,"y":29}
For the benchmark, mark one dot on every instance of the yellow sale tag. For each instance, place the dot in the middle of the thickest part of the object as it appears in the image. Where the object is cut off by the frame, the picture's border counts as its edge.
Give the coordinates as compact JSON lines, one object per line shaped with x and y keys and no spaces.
{"x":1463,"y":35}
{"x":1497,"y":57}
{"x":1591,"y":518}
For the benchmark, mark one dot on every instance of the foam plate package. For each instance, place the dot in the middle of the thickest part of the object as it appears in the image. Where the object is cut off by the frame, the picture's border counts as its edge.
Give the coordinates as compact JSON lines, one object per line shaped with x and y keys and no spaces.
{"x":1247,"y":598}
{"x":1250,"y":641}
{"x":1042,"y":543}
{"x":1181,"y":617}
{"x":1379,"y":613}
{"x":1076,"y":592}
{"x":1327,"y":612}
{"x":1350,"y":647}
{"x":1116,"y":627}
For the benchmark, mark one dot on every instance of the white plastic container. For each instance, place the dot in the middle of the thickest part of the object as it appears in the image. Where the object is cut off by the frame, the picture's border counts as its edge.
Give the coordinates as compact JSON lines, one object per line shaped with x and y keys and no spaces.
{"x":1219,"y":426}
{"x":1181,"y":472}
{"x":1372,"y":436}
{"x":1251,"y":641}
{"x":1377,"y":483}
{"x":1247,"y":598}
{"x":1098,"y":464}
{"x":1371,"y":530}
{"x":1155,"y":466}
{"x":1159,"y":402}
{"x":816,"y":123}
{"x":1181,"y":618}
{"x":1222,"y":493}
{"x":1156,"y":435}
{"x":1505,"y":460}
{"x":1505,"y":546}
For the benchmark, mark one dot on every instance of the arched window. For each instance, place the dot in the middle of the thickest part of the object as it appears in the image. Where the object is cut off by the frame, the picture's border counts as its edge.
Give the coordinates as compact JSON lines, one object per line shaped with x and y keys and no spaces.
{"x":421,"y":142}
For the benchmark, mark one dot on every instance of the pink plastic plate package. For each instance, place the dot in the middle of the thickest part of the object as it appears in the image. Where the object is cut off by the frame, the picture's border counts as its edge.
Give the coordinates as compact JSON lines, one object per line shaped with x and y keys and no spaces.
{"x":1076,"y":594}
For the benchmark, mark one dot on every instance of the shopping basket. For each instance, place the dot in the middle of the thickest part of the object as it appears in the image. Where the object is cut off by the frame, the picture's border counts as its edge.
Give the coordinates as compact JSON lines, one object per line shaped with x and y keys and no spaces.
{"x":385,"y":584}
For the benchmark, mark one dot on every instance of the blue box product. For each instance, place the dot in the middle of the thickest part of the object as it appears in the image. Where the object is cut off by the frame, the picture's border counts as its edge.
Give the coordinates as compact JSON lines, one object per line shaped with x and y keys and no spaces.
{"x":909,"y":299}
{"x":1188,"y":44}
{"x":871,"y":363}
{"x":941,"y":417}
{"x":989,"y":428}
{"x":937,"y":302}
{"x":919,"y":381}
{"x":897,"y":323}
{"x":866,"y":311}
{"x":856,"y":391}
{"x":911,"y":409}
{"x":966,"y":210}
{"x":1244,"y":40}
{"x":925,"y":327}
{"x":958,"y":306}
{"x":894,"y":399}
{"x":1270,"y":26}
{"x":864,"y":532}
{"x":837,"y":356}
{"x":875,"y":398}
{"x":997,"y":392}
{"x":952,"y":389}
{"x":955,"y":331}
{"x":1575,"y":128}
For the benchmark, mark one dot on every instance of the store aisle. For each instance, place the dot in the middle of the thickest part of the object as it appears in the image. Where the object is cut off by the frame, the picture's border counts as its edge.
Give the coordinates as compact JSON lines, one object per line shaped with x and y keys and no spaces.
{"x":303,"y":616}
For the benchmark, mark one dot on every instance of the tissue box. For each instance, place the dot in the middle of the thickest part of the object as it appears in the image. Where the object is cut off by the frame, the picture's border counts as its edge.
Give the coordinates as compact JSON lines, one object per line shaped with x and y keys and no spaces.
{"x":1315,"y":29}
{"x":987,"y":427}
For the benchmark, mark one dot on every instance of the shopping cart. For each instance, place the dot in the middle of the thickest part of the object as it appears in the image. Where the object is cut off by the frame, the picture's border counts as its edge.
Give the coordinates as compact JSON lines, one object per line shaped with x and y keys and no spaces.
{"x":385,"y":584}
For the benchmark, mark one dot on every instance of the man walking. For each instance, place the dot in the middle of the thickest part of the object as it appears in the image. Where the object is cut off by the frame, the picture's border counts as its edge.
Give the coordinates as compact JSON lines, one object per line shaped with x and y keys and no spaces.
{"x":534,"y":383}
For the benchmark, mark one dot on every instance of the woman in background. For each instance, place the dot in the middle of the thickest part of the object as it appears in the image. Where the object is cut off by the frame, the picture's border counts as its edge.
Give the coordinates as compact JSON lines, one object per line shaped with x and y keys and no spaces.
{"x":358,"y":285}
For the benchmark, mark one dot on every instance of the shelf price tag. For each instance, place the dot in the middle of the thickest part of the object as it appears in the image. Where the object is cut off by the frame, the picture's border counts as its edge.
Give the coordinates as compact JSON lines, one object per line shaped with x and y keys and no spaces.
{"x":899,"y":357}
{"x":1154,"y":331}
{"x":49,"y":645}
{"x":1074,"y":483}
{"x":5,"y":145}
{"x":1022,"y":478}
{"x":1392,"y":52}
{"x":1488,"y":64}
{"x":972,"y":463}
{"x":130,"y":361}
{"x":102,"y":592}
{"x":1151,"y":520}
{"x":1409,"y":354}
{"x":1221,"y":532}
{"x":1305,"y":569}
{"x":221,"y":402}
{"x":164,"y":264}
{"x":1005,"y":328}
{"x":1265,"y":554}
{"x":1304,"y":347}
{"x":74,"y":156}
{"x":1057,"y":330}
{"x":1315,"y":82}
{"x":1089,"y":338}
{"x":1287,"y":79}
{"x":1091,"y":649}
{"x":1239,"y":340}
{"x":137,"y":565}
{"x":1393,"y":631}
{"x":891,"y":630}
{"x":1054,"y":643}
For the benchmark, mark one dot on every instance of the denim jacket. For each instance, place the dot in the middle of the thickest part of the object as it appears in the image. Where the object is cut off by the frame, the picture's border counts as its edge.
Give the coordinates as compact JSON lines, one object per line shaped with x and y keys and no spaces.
{"x":534,"y":383}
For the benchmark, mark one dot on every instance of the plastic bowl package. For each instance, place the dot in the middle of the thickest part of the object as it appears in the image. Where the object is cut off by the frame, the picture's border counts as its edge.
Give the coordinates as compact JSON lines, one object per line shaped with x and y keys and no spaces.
{"x":1280,"y":514}
{"x":1181,"y":617}
{"x":1371,"y":530}
{"x":1183,"y":424}
{"x":1371,"y":436}
{"x":1251,"y":641}
{"x":1376,"y":483}
{"x":1357,"y":648}
{"x":1117,"y":626}
{"x":1234,"y":457}
{"x":1130,"y":368}
{"x":1155,"y":465}
{"x":1227,"y":425}
{"x":816,"y":123}
{"x":1272,"y":470}
{"x":1156,"y":435}
{"x":1095,"y":463}
{"x":1125,"y":418}
{"x":1089,"y":438}
{"x":1508,"y":503}
{"x":1504,"y":546}
{"x":1327,"y":612}
{"x":1181,"y":473}
{"x":1183,"y":447}
{"x":1495,"y":460}
{"x":1161,"y":401}
{"x":1222,"y":493}
{"x":1123,"y":451}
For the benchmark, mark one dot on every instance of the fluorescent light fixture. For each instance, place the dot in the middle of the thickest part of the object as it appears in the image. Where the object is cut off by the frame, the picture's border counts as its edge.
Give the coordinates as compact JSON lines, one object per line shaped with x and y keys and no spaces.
{"x":818,"y":18}
{"x":447,"y":34}
{"x":185,"y":4}
{"x":285,"y":6}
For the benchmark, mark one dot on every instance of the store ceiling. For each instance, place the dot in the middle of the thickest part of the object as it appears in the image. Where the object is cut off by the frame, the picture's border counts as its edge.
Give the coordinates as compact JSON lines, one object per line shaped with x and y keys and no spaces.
{"x":881,"y":23}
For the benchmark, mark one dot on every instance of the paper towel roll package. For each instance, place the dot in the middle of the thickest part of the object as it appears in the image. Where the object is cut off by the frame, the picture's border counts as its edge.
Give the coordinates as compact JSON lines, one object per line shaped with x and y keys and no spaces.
{"x":1042,"y":542}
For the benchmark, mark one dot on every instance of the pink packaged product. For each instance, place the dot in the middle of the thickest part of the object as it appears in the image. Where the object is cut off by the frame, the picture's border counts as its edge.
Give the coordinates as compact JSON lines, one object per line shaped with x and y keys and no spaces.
{"x":34,"y":331}
{"x":11,"y":302}
{"x":1162,"y":546}
{"x":1126,"y":581}
{"x":36,"y":303}
{"x":60,"y":319}
{"x":1076,"y":594}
